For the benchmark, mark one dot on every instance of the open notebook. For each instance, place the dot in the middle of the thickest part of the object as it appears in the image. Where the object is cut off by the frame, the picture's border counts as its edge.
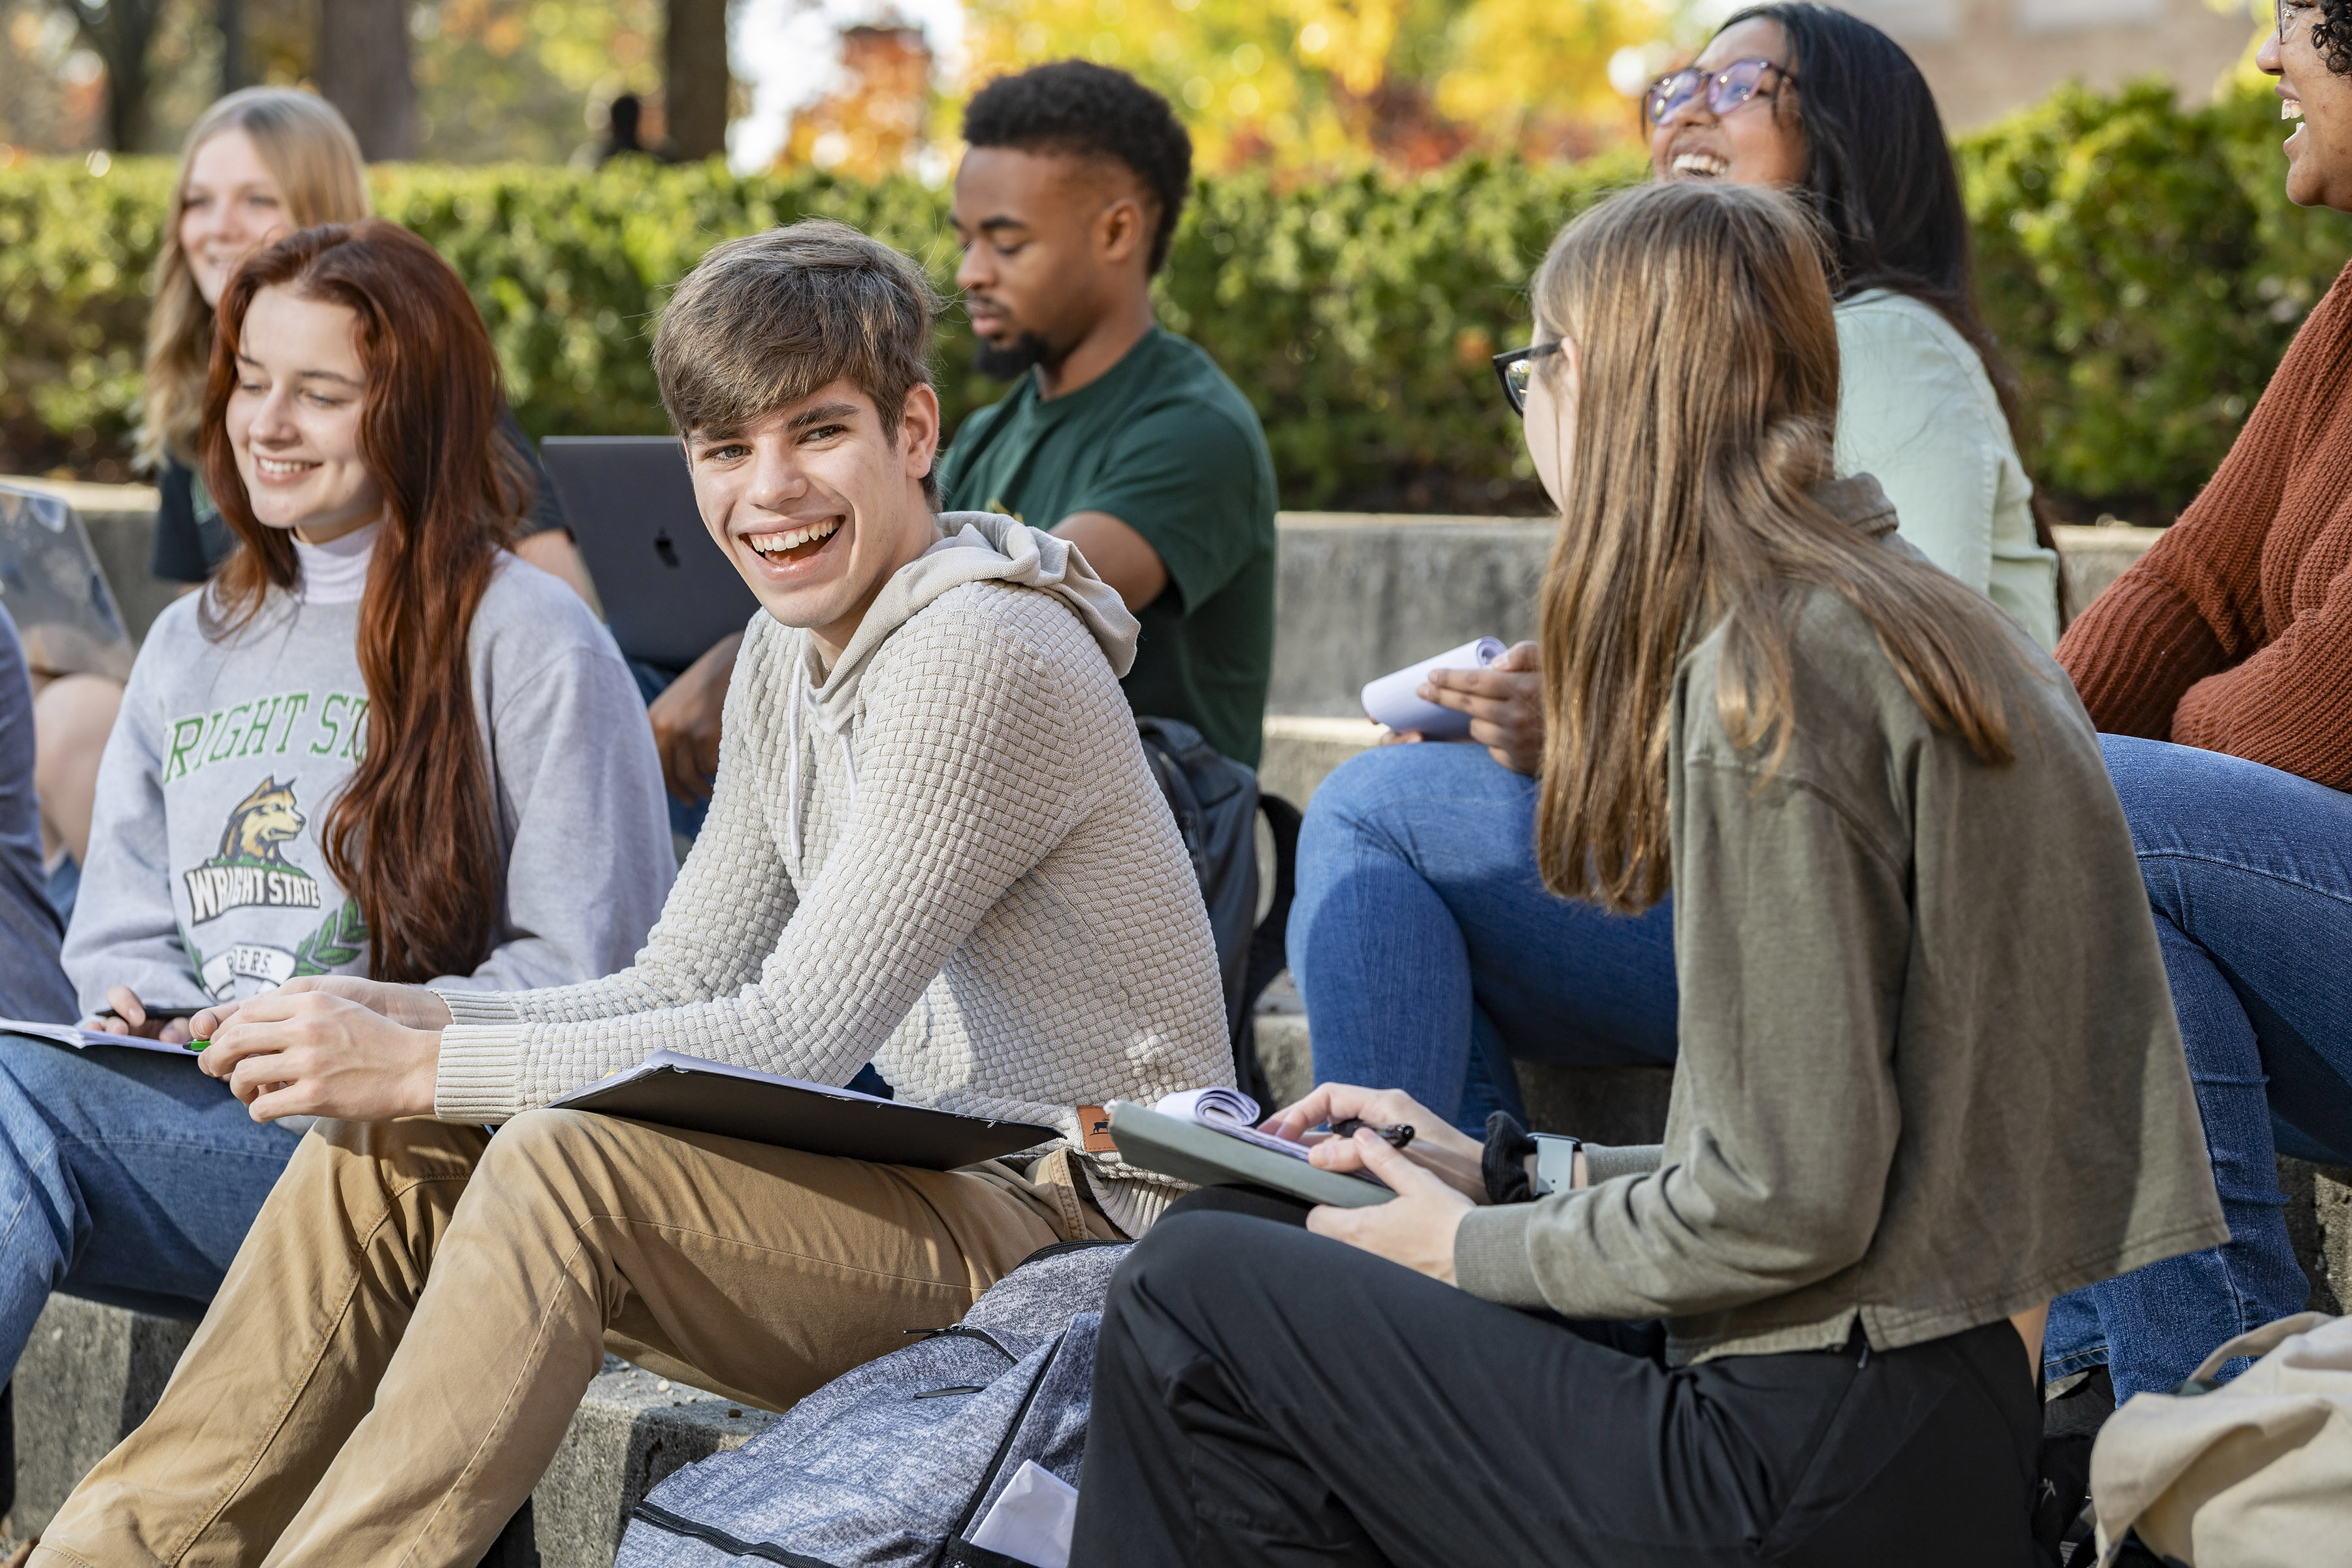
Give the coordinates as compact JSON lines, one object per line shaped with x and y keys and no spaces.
{"x":1209,"y":1137}
{"x":81,"y":1039}
{"x":672,"y":1090}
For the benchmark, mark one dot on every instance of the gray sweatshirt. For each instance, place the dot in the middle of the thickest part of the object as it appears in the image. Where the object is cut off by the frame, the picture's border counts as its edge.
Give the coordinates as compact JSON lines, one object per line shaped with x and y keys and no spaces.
{"x":1928,"y":1076}
{"x":206,"y":878}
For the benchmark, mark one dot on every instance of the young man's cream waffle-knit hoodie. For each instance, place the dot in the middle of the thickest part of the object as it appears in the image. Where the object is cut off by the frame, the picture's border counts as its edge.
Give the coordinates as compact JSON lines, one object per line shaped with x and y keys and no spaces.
{"x":948,"y":856}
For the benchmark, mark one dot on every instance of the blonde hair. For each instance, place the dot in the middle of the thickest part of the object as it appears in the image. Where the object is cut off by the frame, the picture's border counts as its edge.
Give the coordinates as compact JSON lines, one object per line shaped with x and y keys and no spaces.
{"x":312,"y":155}
{"x":1706,"y":407}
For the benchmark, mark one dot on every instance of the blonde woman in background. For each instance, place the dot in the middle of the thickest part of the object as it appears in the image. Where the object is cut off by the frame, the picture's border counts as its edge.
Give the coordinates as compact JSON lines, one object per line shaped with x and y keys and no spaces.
{"x":257,"y":166}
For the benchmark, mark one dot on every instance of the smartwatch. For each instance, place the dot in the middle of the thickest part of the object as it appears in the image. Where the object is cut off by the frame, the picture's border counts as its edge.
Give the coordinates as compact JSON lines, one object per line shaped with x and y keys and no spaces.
{"x":1555,"y":1163}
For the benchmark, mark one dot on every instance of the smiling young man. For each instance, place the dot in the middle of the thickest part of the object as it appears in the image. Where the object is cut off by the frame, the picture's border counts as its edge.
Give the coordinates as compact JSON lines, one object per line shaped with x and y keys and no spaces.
{"x":936,"y":847}
{"x":1118,"y":435}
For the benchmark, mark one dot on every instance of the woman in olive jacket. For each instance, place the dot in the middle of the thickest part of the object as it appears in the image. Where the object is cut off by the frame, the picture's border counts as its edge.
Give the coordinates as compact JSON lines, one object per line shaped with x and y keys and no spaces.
{"x":1909,"y":938}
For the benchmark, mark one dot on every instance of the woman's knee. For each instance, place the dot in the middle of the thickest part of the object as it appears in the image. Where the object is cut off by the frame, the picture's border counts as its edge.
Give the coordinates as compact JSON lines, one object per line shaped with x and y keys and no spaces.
{"x":1189,"y":1260}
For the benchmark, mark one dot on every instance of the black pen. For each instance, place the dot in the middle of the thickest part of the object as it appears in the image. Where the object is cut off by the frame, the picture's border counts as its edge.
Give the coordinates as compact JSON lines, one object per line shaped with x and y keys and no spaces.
{"x":1396,"y":1137}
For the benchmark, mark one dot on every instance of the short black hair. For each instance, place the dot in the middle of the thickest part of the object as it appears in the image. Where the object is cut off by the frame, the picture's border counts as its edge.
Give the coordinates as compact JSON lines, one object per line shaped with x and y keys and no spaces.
{"x":1078,"y":107}
{"x":2332,"y":35}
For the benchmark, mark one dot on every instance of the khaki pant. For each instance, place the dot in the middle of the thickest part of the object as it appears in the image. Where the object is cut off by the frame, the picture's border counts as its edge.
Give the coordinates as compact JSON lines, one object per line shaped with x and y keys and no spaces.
{"x":399,"y":1345}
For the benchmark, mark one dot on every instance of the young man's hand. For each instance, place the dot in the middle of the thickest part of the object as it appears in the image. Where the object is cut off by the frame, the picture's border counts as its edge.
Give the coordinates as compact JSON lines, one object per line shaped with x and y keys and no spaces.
{"x":314,"y":1053}
{"x":686,"y":721}
{"x":1415,"y":1228}
{"x":1504,"y":702}
{"x":413,"y":1005}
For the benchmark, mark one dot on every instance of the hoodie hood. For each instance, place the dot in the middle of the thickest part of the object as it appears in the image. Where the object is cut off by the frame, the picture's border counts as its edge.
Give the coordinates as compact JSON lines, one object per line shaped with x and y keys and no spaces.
{"x":980,"y":547}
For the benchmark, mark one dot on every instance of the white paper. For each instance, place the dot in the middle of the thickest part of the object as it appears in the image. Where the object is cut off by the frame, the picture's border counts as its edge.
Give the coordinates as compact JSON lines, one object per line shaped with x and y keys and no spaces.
{"x":1391,"y":700}
{"x":1032,"y":1519}
{"x":1230,"y":1112}
{"x":79,"y":1039}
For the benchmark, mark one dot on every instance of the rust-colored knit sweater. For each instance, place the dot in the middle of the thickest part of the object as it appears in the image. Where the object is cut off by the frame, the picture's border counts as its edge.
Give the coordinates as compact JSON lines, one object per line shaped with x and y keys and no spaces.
{"x":2235,"y":632}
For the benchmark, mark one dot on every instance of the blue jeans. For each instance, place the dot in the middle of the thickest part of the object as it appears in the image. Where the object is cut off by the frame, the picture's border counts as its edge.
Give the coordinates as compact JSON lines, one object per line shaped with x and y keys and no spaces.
{"x":1430,"y":954}
{"x":126,"y":1176}
{"x":2249,"y":871}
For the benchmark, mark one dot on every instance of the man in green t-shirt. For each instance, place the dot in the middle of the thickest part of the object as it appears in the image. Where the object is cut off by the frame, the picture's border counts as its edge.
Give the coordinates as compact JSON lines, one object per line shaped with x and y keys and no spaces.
{"x":1122,"y":438}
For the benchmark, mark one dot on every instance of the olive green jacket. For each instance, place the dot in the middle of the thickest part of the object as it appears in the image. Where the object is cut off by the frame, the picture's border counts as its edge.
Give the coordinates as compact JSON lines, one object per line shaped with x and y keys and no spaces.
{"x":1929,"y":1076}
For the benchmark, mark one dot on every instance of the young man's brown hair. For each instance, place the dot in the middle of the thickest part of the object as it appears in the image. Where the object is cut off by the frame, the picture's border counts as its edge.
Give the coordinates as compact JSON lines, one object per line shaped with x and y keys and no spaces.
{"x":763,"y":321}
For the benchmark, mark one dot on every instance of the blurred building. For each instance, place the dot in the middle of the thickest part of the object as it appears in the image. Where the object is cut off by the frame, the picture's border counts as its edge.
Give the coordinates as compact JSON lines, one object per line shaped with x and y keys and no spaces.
{"x":1986,"y":57}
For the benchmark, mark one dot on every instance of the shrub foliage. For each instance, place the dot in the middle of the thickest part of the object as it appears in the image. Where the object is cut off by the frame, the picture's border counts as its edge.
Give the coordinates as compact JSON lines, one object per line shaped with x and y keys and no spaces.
{"x":2139,"y":261}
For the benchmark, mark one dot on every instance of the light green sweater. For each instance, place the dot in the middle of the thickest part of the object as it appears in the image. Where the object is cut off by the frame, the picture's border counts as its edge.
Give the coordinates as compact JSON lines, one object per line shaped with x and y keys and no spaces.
{"x":1919,"y":412}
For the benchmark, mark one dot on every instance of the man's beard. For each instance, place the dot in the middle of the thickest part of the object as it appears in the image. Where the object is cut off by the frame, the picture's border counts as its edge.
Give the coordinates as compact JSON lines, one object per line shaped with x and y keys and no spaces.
{"x":1013,"y":359}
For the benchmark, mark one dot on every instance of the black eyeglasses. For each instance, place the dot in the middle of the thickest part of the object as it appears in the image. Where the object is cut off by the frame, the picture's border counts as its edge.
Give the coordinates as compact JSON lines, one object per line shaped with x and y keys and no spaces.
{"x":1516,"y":368}
{"x":1726,"y":90}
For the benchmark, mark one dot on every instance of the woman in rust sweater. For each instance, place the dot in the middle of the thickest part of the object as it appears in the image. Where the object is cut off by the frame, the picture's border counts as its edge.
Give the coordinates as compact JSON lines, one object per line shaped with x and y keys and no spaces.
{"x":2220,"y":669}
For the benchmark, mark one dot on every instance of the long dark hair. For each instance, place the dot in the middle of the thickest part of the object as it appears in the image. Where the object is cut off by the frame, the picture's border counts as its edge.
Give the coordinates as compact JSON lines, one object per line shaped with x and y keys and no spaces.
{"x":1879,"y":171}
{"x":411,"y":834}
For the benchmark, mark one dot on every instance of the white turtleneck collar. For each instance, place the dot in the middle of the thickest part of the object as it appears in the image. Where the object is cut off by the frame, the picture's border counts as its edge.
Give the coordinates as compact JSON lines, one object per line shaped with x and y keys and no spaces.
{"x":336,"y":572}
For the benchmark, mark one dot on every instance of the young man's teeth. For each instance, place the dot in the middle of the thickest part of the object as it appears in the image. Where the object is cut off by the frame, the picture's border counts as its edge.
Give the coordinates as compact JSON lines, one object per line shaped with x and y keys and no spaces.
{"x":793,"y":538}
{"x":2289,"y":109}
{"x":1697,"y":164}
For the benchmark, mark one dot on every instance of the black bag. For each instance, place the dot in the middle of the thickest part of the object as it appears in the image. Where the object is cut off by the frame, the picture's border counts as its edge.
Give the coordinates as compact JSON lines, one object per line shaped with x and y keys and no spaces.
{"x":1216,"y":804}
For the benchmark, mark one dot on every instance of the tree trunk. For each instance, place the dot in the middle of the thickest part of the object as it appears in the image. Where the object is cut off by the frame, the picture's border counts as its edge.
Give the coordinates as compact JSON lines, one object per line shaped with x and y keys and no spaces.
{"x":233,"y":72}
{"x":693,"y":78}
{"x":363,"y":71}
{"x":120,"y":32}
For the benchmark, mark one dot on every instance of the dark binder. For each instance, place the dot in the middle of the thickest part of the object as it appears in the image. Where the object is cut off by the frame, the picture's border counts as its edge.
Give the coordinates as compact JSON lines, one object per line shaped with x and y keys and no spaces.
{"x":670,"y":1090}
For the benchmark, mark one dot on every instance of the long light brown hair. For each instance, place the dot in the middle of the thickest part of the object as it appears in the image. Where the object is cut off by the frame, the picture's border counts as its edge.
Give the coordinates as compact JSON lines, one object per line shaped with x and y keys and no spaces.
{"x":411,"y":834}
{"x":314,"y":158}
{"x":1703,"y":421}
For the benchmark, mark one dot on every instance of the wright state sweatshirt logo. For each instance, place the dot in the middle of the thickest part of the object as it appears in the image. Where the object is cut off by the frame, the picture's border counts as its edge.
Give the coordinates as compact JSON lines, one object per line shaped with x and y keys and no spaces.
{"x":250,"y":867}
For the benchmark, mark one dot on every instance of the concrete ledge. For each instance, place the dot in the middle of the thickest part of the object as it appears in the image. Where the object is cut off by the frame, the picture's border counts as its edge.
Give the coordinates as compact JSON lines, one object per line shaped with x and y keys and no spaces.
{"x":1301,"y":752}
{"x":1606,"y":1105}
{"x":92,"y":1373}
{"x":89,"y":1376}
{"x":632,"y":1430}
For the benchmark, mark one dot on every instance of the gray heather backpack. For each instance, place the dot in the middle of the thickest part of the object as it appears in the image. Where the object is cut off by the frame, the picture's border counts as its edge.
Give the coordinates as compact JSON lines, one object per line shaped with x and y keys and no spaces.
{"x":891,"y":1465}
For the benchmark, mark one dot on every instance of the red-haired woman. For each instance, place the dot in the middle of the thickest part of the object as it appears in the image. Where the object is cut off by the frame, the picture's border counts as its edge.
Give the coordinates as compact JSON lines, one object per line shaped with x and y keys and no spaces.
{"x":377,"y":744}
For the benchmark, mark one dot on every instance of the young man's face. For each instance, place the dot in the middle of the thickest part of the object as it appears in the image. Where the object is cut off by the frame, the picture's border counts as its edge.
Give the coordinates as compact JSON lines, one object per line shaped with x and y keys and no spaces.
{"x":817,"y":503}
{"x":1050,"y":242}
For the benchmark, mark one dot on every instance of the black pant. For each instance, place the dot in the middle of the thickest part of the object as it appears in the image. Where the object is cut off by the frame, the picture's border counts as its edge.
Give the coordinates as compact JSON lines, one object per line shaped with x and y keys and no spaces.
{"x":1265,"y":1395}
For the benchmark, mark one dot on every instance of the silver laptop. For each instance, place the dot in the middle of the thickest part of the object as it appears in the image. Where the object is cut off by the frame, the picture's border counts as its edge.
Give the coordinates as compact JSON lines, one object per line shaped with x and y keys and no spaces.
{"x":669,"y":592}
{"x":52,"y":588}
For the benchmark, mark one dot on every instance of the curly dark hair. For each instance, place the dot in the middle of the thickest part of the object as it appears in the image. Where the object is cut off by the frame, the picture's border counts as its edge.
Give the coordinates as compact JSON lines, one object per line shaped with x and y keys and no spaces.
{"x":2331,"y":36}
{"x":1076,"y":106}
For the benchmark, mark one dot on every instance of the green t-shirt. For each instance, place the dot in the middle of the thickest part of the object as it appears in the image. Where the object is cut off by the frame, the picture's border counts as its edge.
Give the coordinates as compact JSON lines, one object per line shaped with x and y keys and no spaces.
{"x":1167,"y":445}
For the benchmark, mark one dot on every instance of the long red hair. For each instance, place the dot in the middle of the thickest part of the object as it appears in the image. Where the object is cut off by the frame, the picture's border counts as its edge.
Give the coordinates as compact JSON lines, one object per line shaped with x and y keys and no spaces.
{"x":411,"y":834}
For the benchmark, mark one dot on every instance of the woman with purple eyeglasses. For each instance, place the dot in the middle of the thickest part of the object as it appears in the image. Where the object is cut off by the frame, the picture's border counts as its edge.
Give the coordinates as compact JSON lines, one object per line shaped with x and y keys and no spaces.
{"x":1423,"y":944}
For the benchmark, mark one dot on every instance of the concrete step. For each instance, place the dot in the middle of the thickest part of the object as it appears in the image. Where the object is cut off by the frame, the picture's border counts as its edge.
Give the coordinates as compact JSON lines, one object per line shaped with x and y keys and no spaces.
{"x":1356,"y":594}
{"x":91,"y":1373}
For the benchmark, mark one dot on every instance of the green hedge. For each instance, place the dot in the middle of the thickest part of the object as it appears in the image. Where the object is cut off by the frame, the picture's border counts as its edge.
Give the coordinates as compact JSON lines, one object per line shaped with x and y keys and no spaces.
{"x":2140,"y":263}
{"x":2145,"y":271}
